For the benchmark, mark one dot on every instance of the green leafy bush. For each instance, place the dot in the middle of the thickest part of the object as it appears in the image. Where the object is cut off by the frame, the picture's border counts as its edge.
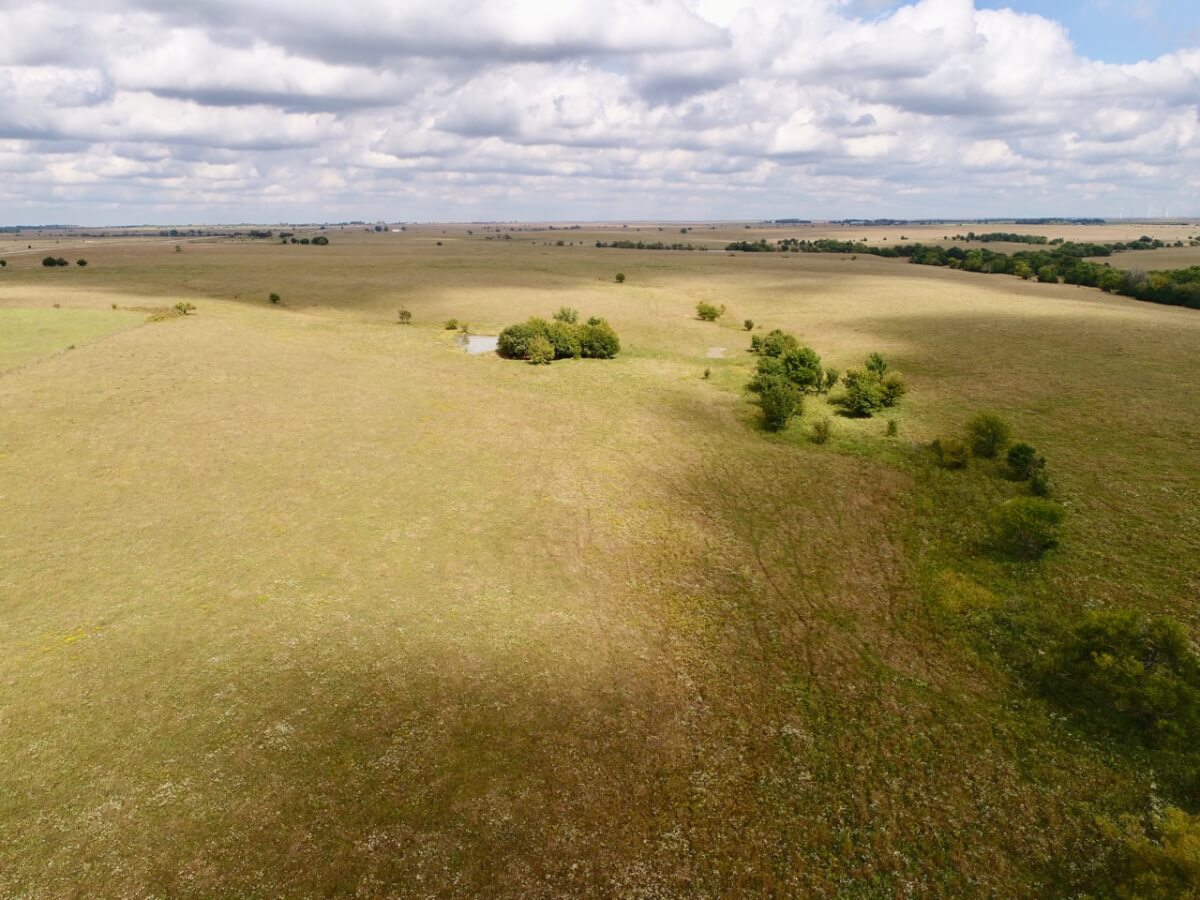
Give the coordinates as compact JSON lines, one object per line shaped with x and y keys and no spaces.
{"x":894,"y":388}
{"x":831,"y":379}
{"x":620,"y":278}
{"x":892,"y":429}
{"x":1023,"y":460}
{"x":780,"y":401}
{"x":1128,"y":671}
{"x":184,"y":308}
{"x":864,"y":393}
{"x":598,"y":340}
{"x":274,"y":298}
{"x":708,"y":312}
{"x":775,"y":343}
{"x":564,"y":337}
{"x":320,"y":240}
{"x":822,"y":429}
{"x":748,"y":324}
{"x":1040,"y":484}
{"x":951,"y":453}
{"x":451,"y":325}
{"x":540,"y":351}
{"x":1026,"y":527}
{"x":566,"y":314}
{"x":987,"y":434}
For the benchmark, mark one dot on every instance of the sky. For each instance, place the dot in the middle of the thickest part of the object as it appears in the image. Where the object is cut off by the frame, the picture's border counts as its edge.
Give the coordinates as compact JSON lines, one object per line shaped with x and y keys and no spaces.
{"x":155,"y":111}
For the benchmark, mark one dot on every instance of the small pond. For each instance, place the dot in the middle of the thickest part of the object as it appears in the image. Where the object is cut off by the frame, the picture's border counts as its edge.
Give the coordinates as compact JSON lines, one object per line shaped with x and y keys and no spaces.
{"x":478,"y":344}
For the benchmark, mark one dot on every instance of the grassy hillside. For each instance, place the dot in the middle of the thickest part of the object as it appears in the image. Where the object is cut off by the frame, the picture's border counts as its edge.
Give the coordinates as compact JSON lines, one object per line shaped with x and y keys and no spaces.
{"x":295,"y":600}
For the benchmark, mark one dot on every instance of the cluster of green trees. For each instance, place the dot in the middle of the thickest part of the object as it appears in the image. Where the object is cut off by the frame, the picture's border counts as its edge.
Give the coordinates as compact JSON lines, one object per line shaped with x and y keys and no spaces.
{"x":320,"y":240}
{"x":871,"y":388}
{"x":51,"y":262}
{"x":540,"y":340}
{"x":647,"y":245}
{"x":1007,"y":237}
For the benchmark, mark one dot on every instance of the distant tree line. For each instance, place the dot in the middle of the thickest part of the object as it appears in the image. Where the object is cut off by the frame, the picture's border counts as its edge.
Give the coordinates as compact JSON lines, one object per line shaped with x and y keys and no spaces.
{"x":647,"y":245}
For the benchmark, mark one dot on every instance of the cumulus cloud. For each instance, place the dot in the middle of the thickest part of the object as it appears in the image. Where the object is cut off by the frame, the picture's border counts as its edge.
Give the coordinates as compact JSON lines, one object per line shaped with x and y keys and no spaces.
{"x":519,"y":108}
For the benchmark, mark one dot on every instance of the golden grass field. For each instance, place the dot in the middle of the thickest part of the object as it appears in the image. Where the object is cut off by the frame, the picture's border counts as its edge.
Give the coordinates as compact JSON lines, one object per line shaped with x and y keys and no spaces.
{"x":297,"y":601}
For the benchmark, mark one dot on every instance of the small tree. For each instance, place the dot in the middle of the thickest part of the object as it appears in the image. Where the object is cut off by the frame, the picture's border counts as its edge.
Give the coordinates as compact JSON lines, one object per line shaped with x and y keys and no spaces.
{"x":404,"y":317}
{"x":894,"y":388}
{"x":987,"y":434}
{"x":780,"y":401}
{"x":864,"y":393}
{"x":274,"y":298}
{"x":567,"y":315}
{"x":748,"y":324}
{"x":876,"y":365}
{"x":1026,"y":527}
{"x":620,"y":278}
{"x":708,"y":312}
{"x":451,"y":325}
{"x":1023,"y":460}
{"x":831,"y":379}
{"x":81,"y":263}
{"x":541,"y":351}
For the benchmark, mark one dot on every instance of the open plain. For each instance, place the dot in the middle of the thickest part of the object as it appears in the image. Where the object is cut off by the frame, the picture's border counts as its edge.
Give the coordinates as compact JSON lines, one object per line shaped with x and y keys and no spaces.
{"x":297,"y":600}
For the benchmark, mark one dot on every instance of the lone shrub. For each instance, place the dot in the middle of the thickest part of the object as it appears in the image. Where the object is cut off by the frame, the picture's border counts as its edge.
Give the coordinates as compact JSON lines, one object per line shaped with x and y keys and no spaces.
{"x":184,"y":308}
{"x":748,"y":324}
{"x":404,"y":317}
{"x":1023,"y":460}
{"x":780,"y":400}
{"x":821,"y":430}
{"x":451,"y":325}
{"x":1026,"y":527}
{"x":987,"y":434}
{"x":1130,"y":672}
{"x":951,"y":453}
{"x":708,"y":312}
{"x":320,"y":240}
{"x":891,"y":428}
{"x":566,"y":314}
{"x":620,"y":278}
{"x":274,"y":298}
{"x":81,"y":263}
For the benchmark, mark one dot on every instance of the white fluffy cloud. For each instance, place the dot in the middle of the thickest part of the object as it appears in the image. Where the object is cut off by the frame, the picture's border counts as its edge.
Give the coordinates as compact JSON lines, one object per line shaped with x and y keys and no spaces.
{"x":138,"y":110}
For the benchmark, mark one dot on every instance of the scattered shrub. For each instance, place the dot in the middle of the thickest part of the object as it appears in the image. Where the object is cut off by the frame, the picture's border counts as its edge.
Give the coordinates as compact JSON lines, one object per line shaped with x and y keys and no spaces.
{"x":404,"y":317}
{"x":780,"y":401}
{"x":3,"y":263}
{"x":274,"y":298}
{"x":51,"y":261}
{"x":620,"y":278}
{"x":951,"y":453}
{"x":1040,"y":484}
{"x":1026,"y":527}
{"x":1023,"y":461}
{"x":987,"y":434}
{"x":708,"y":312}
{"x":864,"y":393}
{"x":799,"y":365}
{"x":877,"y":365}
{"x":891,"y":430}
{"x":831,"y":379}
{"x":756,"y":343}
{"x":1130,"y":672}
{"x":748,"y":324}
{"x":821,"y":430}
{"x":81,"y":263}
{"x":451,"y":325}
{"x":320,"y":240}
{"x":566,"y":314}
{"x":894,"y":388}
{"x":184,"y":308}
{"x":707,"y":373}
{"x":540,"y":351}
